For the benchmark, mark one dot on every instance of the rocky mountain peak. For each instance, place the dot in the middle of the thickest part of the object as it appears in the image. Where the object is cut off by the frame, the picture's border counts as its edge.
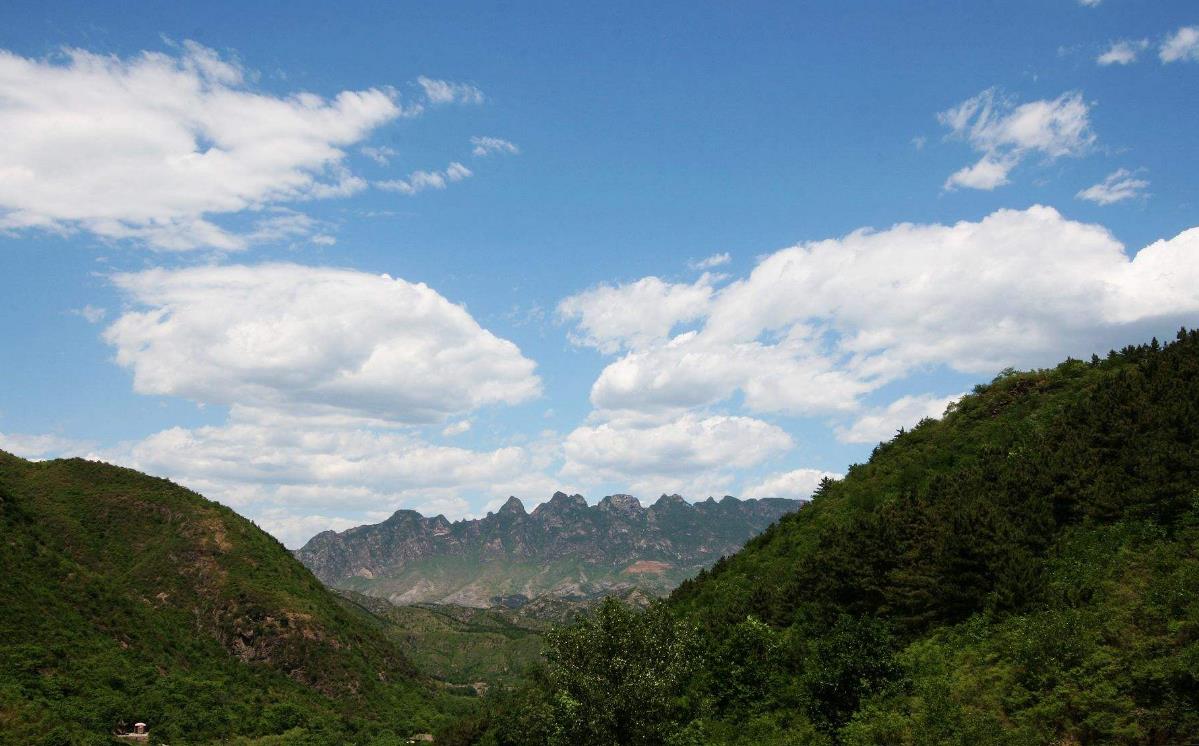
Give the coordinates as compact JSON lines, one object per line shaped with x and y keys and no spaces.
{"x":669,"y":500}
{"x":512,"y":507}
{"x":563,"y":547}
{"x":561,"y":503}
{"x":620,"y":504}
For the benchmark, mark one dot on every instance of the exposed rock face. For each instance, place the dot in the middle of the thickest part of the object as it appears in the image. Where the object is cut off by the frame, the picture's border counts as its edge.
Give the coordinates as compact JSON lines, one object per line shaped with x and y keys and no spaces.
{"x":564,"y":547}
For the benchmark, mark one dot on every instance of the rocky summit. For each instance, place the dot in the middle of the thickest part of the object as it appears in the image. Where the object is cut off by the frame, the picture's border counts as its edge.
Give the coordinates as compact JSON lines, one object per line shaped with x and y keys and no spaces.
{"x":564,"y":547}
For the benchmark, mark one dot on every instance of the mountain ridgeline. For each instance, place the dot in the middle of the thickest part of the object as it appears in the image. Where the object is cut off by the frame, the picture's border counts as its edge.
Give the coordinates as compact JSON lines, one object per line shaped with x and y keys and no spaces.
{"x":1023,"y":571}
{"x":564,"y":547}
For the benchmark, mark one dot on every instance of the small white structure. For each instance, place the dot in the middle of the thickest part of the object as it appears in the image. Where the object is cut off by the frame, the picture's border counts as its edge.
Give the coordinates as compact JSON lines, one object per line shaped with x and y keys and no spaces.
{"x":140,"y":733}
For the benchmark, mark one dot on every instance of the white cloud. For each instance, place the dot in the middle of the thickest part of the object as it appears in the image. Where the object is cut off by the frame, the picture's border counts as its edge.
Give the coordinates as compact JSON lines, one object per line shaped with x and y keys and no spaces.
{"x":1119,"y":185}
{"x":1006,"y":133}
{"x":168,"y":142}
{"x":683,"y":454}
{"x":456,"y":428}
{"x":716,"y":260}
{"x":324,"y":239}
{"x":816,"y":326}
{"x":457,"y":172}
{"x":297,"y":477}
{"x":1122,"y":52}
{"x":448,"y":92}
{"x":1089,"y":3}
{"x":987,"y":174}
{"x":312,"y":340}
{"x":797,"y":485}
{"x":633,"y":315}
{"x":294,"y":530}
{"x":1181,"y":46}
{"x":881,"y":424}
{"x":419,"y":181}
{"x":43,"y":446}
{"x":485,"y":146}
{"x":91,"y":314}
{"x":381,"y":154}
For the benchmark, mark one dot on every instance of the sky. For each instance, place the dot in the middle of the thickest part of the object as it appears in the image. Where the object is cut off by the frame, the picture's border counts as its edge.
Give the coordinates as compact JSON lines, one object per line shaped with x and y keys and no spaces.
{"x":322,"y":262}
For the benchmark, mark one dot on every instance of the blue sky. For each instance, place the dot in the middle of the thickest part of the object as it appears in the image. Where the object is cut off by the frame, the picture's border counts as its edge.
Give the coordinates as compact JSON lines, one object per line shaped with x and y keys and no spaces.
{"x":163,"y":175}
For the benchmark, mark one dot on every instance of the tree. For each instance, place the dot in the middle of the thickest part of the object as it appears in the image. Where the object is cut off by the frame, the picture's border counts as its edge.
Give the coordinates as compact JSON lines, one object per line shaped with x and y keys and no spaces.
{"x":618,"y":675}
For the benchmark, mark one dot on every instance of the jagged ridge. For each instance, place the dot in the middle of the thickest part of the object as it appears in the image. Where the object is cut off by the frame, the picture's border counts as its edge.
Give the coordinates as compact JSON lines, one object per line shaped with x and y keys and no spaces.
{"x":563,"y":547}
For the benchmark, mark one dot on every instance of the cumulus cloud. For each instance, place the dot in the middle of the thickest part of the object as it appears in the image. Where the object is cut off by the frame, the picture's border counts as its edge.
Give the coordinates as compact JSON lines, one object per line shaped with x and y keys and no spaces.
{"x":168,"y":142}
{"x":686,"y":454}
{"x":456,"y":428}
{"x":484,"y":146}
{"x":816,"y":326}
{"x":312,"y":340}
{"x":43,"y":446}
{"x":1181,"y":46}
{"x":636,"y":314}
{"x":1122,"y":52}
{"x":439,"y":92}
{"x":294,"y":530}
{"x":881,"y":424}
{"x":1006,"y":133}
{"x":798,"y":484}
{"x":1119,"y":185}
{"x":299,"y":476}
{"x":419,"y":181}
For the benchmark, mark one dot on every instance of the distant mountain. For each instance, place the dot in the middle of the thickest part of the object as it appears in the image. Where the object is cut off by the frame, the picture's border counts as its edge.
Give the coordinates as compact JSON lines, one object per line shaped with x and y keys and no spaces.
{"x":127,"y":598}
{"x":563,"y":548}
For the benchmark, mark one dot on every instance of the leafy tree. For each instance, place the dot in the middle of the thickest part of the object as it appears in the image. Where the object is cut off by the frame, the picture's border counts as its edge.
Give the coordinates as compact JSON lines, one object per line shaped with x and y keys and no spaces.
{"x":619,"y":675}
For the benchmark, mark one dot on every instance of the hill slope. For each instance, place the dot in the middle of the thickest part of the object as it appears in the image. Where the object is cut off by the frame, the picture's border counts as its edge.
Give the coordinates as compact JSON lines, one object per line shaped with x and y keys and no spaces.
{"x":564,"y":547}
{"x":466,"y":645}
{"x":1023,"y":571}
{"x":127,"y":597}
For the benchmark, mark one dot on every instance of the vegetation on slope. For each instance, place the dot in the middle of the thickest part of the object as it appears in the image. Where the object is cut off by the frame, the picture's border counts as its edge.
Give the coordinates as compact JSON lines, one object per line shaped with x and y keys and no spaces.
{"x":466,"y":645}
{"x":460,"y":644}
{"x":128,"y":598}
{"x":1023,"y":571}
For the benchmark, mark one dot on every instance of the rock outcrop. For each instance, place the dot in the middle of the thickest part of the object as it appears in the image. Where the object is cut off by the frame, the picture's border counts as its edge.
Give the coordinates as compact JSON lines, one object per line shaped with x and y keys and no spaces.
{"x":564,"y":547}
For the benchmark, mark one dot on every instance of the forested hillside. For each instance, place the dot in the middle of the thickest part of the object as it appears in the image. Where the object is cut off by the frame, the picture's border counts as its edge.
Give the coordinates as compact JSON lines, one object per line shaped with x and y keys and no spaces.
{"x":1023,"y":571}
{"x":128,"y":598}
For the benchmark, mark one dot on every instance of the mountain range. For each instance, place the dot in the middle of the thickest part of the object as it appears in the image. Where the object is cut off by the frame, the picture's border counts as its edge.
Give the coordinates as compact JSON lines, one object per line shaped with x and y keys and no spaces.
{"x":564,"y":547}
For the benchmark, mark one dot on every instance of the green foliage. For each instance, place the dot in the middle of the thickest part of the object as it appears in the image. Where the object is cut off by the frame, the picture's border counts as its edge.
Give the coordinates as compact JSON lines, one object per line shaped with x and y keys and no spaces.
{"x":1023,"y":571}
{"x":617,"y":674}
{"x":462,"y":645}
{"x":128,"y":598}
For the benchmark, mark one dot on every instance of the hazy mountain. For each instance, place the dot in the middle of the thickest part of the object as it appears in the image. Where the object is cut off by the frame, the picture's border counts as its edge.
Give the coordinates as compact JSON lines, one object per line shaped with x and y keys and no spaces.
{"x":564,"y":547}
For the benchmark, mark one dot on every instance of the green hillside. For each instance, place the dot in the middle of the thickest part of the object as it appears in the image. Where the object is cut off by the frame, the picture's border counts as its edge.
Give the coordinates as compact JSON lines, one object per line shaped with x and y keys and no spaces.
{"x":460,"y":644}
{"x":1023,"y":571}
{"x":468,"y":646}
{"x":127,"y":598}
